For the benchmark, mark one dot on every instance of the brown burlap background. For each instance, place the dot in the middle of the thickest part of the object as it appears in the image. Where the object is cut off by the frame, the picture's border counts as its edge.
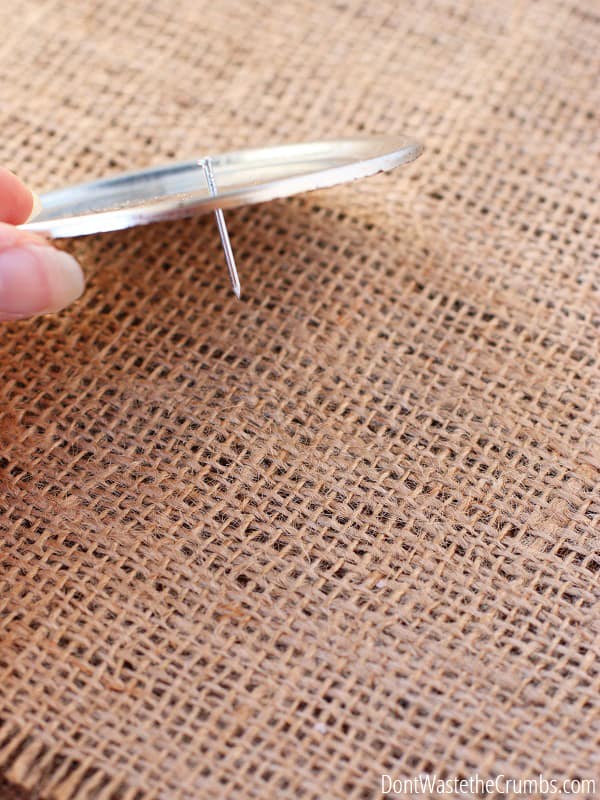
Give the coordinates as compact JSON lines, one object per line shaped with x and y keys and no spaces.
{"x":347,"y":526}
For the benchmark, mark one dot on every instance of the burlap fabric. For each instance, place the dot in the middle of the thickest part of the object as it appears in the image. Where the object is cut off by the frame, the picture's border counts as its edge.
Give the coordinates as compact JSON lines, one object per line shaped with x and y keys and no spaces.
{"x":348,"y":526}
{"x":8,"y":791}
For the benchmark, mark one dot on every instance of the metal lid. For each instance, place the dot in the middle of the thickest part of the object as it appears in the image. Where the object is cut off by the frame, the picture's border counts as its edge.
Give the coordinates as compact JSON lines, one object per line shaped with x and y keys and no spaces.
{"x":241,"y":177}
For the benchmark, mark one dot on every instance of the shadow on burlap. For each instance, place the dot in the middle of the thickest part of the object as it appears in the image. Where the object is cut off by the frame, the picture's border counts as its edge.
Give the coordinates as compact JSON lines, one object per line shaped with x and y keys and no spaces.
{"x":347,"y":526}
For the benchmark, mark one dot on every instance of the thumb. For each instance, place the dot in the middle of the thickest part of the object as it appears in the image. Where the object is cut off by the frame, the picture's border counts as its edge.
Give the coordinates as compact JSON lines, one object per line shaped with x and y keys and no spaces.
{"x":35,"y":278}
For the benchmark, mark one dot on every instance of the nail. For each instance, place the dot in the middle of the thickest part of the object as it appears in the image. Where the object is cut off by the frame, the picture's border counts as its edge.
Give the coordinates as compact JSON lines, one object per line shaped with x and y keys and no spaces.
{"x":37,"y":280}
{"x":37,"y":207}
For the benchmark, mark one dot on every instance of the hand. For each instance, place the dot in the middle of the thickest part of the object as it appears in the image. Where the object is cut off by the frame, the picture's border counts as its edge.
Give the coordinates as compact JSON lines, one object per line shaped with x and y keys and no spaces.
{"x":35,"y":278}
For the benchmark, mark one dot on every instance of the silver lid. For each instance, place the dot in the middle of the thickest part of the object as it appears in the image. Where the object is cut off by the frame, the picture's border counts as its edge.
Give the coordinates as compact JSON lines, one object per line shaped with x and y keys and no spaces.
{"x":241,"y":177}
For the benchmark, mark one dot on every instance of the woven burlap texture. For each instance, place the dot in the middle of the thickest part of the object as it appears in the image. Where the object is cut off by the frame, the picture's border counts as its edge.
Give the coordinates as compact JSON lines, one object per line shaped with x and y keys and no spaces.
{"x":347,"y":526}
{"x":9,"y":791}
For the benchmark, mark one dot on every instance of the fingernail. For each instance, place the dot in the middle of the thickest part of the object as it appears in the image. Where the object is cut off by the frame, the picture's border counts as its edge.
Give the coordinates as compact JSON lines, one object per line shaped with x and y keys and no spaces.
{"x":37,"y":280}
{"x":37,"y":207}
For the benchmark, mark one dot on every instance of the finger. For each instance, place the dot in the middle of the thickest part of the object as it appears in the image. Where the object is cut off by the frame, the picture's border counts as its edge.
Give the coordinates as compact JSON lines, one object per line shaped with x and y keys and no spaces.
{"x":17,"y":202}
{"x":35,"y":278}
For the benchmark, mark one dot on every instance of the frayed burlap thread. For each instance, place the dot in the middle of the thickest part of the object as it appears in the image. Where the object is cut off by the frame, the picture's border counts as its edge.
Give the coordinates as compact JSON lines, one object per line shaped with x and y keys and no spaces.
{"x":349,"y":525}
